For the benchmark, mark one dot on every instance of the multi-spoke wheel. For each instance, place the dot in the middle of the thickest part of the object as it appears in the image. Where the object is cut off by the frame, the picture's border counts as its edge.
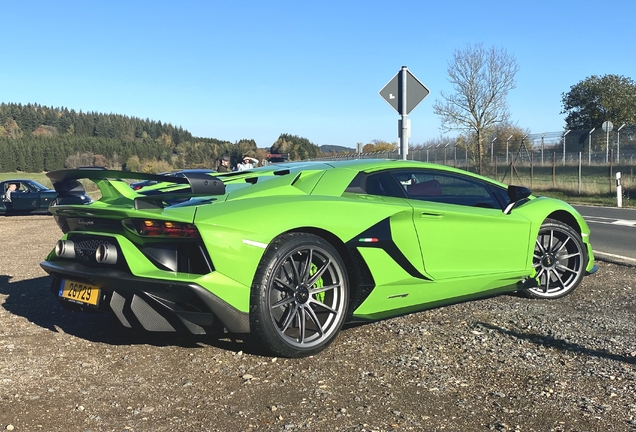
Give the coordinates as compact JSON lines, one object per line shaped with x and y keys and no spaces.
{"x":559,"y":258}
{"x":299,"y":296}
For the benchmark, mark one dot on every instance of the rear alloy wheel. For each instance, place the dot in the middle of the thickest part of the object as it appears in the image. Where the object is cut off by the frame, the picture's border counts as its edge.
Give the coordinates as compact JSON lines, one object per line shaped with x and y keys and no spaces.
{"x":559,"y":259}
{"x":299,"y":297}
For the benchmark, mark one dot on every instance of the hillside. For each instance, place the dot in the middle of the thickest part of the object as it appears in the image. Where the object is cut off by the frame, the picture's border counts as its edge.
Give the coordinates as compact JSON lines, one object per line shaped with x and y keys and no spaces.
{"x":36,"y":138}
{"x":331,"y":149}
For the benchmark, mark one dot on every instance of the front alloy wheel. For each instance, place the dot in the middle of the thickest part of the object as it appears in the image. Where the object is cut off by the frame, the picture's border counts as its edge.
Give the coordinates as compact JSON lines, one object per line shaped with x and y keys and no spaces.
{"x":559,"y":259}
{"x":299,"y":296}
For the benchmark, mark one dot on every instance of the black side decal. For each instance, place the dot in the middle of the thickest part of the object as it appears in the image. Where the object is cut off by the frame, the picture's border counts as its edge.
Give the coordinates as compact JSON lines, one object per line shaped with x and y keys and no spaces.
{"x":379,"y":236}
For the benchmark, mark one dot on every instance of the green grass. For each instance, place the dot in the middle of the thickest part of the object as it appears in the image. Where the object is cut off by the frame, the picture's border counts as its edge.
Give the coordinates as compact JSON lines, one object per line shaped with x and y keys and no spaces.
{"x":605,"y":200}
{"x":38,"y":177}
{"x":597,"y":186}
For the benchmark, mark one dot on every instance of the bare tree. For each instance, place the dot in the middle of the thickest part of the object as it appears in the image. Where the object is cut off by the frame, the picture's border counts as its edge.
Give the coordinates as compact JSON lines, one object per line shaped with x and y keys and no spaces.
{"x":481,"y":81}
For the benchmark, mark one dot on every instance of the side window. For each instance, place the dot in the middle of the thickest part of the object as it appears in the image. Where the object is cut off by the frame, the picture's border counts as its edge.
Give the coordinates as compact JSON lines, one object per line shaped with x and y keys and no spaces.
{"x":502,"y":195}
{"x":447,"y":188}
{"x":381,"y":184}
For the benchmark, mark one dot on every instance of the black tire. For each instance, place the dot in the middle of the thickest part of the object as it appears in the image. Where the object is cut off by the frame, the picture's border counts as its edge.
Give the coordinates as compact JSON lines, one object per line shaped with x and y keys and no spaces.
{"x":299,"y":296}
{"x":560,"y":258}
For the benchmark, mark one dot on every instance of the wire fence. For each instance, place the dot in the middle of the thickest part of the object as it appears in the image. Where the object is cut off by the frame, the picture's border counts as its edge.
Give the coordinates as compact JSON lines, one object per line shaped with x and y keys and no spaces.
{"x":581,"y":162}
{"x":540,"y":169}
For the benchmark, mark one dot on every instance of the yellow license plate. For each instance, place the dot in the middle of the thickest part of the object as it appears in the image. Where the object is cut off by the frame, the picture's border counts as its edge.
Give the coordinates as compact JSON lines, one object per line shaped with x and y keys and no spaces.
{"x":79,"y":292}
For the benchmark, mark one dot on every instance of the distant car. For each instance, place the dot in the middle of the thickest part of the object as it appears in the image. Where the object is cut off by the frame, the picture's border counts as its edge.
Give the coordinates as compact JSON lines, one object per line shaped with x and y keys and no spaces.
{"x":289,"y":252}
{"x":145,"y":183}
{"x":31,"y":197}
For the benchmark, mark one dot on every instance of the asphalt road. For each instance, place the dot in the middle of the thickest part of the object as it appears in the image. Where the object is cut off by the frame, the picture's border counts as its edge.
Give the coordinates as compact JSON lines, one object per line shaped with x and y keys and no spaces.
{"x":613,"y":232}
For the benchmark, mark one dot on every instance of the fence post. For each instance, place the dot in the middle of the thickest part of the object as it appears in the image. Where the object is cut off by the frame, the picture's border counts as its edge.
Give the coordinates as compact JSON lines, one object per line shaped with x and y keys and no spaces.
{"x":619,"y":190}
{"x":579,"y":173}
{"x":531,"y":169}
{"x":554,"y":170}
{"x":611,"y":166}
{"x":512,"y":164}
{"x":589,"y":144}
{"x":495,"y":167}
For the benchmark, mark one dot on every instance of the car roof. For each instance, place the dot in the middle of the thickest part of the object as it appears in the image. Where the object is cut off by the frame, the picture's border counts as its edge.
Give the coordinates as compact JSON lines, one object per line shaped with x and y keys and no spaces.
{"x":370,"y":165}
{"x":364,"y":165}
{"x":358,"y":164}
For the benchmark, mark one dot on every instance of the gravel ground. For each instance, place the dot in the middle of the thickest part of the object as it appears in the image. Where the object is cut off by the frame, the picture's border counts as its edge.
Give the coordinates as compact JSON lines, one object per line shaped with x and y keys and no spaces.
{"x":505,"y":364}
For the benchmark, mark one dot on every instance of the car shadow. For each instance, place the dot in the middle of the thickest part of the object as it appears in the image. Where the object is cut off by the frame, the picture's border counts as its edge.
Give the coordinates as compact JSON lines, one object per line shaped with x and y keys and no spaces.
{"x":33,"y":300}
{"x":556,"y":343}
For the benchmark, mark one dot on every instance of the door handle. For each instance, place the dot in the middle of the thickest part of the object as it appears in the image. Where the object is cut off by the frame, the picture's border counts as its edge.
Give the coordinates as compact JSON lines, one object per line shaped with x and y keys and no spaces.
{"x":431,"y":215}
{"x":371,"y":197}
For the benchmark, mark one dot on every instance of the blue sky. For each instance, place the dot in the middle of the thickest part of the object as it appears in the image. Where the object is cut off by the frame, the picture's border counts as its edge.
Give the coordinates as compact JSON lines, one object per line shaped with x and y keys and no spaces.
{"x":255,"y":69}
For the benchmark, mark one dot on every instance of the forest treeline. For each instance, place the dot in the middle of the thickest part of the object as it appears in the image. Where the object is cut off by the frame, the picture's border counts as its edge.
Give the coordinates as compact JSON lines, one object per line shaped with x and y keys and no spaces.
{"x":36,"y":138}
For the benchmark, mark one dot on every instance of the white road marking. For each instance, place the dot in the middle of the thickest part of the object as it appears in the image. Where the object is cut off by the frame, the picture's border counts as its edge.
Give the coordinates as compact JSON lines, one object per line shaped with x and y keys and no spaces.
{"x":614,"y":257}
{"x":610,"y":221}
{"x":624,"y":222}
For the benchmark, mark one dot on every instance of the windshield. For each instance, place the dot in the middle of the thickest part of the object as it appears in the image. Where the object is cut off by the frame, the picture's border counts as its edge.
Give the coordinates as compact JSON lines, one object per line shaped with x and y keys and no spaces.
{"x":35,"y":186}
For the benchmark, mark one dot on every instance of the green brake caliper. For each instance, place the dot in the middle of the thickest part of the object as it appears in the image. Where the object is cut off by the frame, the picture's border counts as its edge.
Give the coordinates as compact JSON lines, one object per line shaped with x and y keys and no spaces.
{"x":321,"y":295}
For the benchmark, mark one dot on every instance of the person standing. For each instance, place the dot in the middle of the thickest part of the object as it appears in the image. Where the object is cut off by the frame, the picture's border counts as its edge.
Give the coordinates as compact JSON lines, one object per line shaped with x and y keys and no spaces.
{"x":248,"y":163}
{"x":224,"y":165}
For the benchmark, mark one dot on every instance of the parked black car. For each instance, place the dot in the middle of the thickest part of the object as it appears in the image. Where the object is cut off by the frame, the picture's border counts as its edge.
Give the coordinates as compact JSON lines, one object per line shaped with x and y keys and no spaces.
{"x":29,"y":197}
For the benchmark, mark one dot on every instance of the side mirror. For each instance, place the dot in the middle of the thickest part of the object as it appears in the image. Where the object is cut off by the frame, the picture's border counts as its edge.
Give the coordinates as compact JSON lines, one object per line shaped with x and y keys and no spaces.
{"x":516,"y":194}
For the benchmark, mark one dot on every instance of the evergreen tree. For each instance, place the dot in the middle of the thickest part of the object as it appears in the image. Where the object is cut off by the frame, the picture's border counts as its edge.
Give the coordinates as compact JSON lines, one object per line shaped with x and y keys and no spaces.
{"x":39,"y":138}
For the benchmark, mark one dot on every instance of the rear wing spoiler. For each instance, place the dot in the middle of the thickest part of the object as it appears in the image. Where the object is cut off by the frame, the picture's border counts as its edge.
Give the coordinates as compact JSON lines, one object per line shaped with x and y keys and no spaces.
{"x":66,"y":184}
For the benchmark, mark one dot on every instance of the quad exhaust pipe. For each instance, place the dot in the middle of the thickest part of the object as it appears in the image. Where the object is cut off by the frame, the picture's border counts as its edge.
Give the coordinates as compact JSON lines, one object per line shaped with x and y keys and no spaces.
{"x":105,"y":253}
{"x":65,"y":249}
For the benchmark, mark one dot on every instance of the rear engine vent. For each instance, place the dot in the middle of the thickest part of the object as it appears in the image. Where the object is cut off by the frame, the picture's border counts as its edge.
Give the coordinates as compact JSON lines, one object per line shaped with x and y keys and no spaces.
{"x":183,"y":257}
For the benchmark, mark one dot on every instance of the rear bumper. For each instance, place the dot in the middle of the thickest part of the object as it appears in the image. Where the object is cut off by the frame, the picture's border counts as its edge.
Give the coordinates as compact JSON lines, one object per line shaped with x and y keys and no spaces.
{"x":152,"y":304}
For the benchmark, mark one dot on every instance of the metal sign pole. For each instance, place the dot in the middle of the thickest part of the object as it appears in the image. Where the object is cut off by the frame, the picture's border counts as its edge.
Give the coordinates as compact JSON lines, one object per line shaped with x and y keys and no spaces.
{"x":404,"y":136}
{"x":396,"y":93}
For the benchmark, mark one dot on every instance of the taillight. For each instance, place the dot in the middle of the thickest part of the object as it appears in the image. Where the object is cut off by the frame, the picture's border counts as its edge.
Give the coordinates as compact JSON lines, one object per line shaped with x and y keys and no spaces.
{"x":161,"y":228}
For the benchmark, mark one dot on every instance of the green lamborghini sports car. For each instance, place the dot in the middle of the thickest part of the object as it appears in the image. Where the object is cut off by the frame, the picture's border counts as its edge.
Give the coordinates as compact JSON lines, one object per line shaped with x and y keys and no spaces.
{"x":286,"y":254}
